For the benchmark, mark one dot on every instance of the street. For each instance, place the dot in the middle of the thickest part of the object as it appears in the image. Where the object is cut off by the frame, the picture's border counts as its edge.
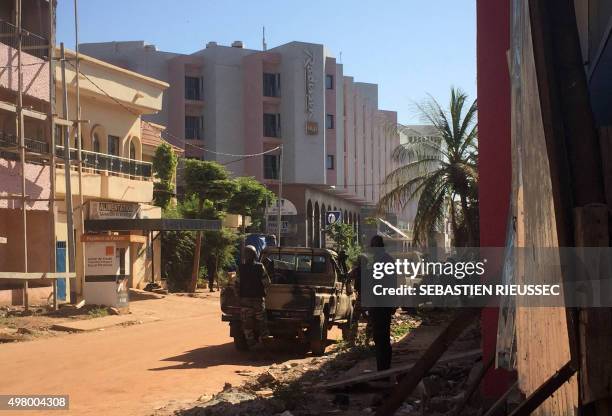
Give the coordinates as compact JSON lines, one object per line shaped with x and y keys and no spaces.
{"x":135,"y":369}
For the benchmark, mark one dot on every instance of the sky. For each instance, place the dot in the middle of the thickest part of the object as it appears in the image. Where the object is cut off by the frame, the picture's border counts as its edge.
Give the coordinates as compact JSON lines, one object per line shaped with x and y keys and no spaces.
{"x":410,"y":48}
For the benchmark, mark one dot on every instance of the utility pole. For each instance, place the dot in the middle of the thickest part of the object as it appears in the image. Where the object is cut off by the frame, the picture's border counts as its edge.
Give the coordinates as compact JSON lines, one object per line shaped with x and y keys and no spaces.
{"x":280,"y":195}
{"x":22,"y":161}
{"x":81,"y":227}
{"x":65,"y":133}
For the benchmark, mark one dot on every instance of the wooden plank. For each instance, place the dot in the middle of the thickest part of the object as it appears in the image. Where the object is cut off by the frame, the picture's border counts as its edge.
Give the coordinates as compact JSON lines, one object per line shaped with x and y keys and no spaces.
{"x":35,"y":275}
{"x":547,"y":389}
{"x":595,"y":337}
{"x":493,"y":409}
{"x":26,"y":112}
{"x":459,"y":323}
{"x":379,"y":375}
{"x":472,"y":388}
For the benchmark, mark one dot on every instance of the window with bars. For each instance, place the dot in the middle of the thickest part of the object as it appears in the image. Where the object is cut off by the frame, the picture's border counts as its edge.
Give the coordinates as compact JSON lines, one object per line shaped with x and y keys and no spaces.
{"x":271,"y":125}
{"x":270,"y":166}
{"x":271,"y":85}
{"x":113,"y":145}
{"x":193,"y":127}
{"x":193,"y":88}
{"x":329,"y":121}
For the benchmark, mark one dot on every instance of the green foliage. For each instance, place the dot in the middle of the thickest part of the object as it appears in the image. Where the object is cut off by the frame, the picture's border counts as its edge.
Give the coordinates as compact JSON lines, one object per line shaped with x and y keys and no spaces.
{"x":250,"y":199}
{"x":164,"y":162}
{"x":209,"y":181}
{"x":98,"y":312}
{"x":442,"y":175}
{"x":164,"y":168}
{"x":162,"y":194}
{"x":177,"y":256}
{"x":344,"y":237}
{"x":219,"y":248}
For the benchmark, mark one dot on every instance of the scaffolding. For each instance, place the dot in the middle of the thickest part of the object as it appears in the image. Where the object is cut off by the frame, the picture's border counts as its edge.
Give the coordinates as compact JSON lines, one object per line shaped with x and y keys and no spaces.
{"x":40,"y":152}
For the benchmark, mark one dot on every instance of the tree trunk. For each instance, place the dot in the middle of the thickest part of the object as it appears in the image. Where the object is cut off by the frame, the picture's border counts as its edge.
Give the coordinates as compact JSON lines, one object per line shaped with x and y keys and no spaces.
{"x":196,"y":263}
{"x":195,"y":271}
{"x":467,"y":218}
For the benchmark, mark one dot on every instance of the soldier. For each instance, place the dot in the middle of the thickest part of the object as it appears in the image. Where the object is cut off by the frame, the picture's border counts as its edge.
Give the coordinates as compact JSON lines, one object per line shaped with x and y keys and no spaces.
{"x":252,"y":284}
{"x":381,"y":315}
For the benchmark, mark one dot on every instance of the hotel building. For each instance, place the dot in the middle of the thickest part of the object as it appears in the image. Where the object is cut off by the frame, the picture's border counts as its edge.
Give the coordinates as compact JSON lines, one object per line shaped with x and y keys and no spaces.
{"x":231,"y":100}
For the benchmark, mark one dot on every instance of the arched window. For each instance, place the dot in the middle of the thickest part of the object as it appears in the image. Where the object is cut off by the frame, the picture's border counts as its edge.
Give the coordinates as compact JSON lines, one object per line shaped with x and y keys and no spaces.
{"x":132,"y":150}
{"x":95,"y":143}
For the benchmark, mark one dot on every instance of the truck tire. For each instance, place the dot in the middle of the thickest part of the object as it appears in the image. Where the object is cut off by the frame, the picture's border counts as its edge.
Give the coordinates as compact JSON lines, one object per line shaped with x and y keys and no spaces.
{"x":240,"y":342}
{"x":349,"y":329}
{"x":318,"y":335}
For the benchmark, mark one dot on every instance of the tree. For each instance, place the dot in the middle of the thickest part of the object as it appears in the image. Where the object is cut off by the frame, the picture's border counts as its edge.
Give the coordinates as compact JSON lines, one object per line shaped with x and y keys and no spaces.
{"x":250,"y":198}
{"x":209,"y":183}
{"x":442,"y":175}
{"x":164,"y":168}
{"x":344,"y":237}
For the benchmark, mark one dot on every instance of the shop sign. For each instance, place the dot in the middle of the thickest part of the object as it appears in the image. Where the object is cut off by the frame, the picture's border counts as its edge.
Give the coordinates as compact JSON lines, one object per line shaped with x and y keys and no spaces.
{"x":312,"y":128}
{"x":287,"y":208}
{"x":101,"y":259}
{"x":310,"y":81}
{"x":101,"y":210}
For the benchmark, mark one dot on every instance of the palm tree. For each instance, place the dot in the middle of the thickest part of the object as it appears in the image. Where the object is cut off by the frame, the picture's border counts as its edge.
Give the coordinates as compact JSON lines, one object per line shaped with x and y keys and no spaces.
{"x":441,"y":174}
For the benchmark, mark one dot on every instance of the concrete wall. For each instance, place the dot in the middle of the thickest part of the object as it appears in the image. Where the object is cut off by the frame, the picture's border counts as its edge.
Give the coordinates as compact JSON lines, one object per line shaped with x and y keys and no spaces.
{"x":11,"y":251}
{"x":35,"y":73}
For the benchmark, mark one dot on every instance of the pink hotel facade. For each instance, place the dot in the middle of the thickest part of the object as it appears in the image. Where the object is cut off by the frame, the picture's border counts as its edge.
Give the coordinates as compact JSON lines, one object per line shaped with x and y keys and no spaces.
{"x":337,"y":143}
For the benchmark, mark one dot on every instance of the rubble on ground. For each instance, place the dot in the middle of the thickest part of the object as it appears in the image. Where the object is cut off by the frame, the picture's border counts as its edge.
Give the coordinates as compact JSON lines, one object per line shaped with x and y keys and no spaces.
{"x":294,"y":388}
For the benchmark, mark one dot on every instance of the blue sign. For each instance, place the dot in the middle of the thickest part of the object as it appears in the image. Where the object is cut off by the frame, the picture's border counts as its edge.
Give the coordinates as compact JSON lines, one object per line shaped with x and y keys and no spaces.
{"x":332,"y":217}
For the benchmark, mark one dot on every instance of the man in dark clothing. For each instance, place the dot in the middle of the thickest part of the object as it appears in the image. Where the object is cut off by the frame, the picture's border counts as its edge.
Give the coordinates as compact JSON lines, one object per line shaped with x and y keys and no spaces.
{"x":381,"y":316}
{"x":252,"y":284}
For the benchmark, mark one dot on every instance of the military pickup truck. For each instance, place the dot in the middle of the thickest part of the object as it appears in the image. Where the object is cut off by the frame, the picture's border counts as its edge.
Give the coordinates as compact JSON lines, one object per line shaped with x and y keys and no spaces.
{"x":309,"y":294}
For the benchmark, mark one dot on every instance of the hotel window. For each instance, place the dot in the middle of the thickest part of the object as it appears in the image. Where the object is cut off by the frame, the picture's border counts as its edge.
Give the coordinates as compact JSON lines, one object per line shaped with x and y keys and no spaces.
{"x":132,"y":150}
{"x":270,"y":167}
{"x":330,"y":162}
{"x":193,"y":88}
{"x":329,"y":121}
{"x":95,"y":143}
{"x":271,"y":125}
{"x":113,"y":145}
{"x":329,"y":82}
{"x":271,"y":85}
{"x":193,"y":127}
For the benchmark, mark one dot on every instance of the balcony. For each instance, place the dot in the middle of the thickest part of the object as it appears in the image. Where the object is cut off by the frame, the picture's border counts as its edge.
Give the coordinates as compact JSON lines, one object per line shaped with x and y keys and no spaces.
{"x":100,"y":162}
{"x":11,"y":142}
{"x":31,"y":43}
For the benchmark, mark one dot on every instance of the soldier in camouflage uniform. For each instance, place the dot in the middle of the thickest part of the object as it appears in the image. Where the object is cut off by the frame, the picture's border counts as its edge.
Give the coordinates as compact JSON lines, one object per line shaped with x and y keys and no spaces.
{"x":251,"y":285}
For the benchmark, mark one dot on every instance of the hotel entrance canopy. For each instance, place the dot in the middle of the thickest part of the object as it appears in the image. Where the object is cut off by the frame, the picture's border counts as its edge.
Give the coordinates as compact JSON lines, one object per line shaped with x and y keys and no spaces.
{"x":152,"y":224}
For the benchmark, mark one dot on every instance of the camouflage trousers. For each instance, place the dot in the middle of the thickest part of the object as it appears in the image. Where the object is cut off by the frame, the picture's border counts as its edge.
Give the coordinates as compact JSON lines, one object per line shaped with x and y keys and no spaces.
{"x":253,"y":317}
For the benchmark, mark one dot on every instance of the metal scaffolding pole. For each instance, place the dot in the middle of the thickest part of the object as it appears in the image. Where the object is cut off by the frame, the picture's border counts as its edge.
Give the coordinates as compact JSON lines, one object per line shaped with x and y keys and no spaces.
{"x":81,"y":226}
{"x":69,"y":213}
{"x":280,"y":195}
{"x":52,"y":160}
{"x":22,"y":161}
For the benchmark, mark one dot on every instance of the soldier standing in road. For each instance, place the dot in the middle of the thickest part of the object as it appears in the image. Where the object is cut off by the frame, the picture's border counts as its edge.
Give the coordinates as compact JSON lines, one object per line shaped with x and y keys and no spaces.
{"x":380,"y":315}
{"x":252,"y":284}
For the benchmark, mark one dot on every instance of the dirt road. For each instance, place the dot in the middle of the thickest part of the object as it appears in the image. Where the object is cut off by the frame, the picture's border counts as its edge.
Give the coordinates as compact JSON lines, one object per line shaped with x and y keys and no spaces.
{"x":132,"y":370}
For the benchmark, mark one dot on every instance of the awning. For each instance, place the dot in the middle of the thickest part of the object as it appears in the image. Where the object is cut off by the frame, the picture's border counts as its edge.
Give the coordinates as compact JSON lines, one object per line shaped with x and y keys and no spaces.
{"x":152,"y":224}
{"x":394,"y":228}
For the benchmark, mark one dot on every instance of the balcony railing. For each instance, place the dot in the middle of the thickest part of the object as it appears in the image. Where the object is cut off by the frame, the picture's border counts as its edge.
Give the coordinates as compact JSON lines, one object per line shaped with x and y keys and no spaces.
{"x":101,"y":162}
{"x":31,"y":43}
{"x":31,"y":145}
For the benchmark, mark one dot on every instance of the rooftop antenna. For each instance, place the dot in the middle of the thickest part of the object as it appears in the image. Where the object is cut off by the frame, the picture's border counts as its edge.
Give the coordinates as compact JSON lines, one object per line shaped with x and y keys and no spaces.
{"x":263,"y":39}
{"x":340,"y":57}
